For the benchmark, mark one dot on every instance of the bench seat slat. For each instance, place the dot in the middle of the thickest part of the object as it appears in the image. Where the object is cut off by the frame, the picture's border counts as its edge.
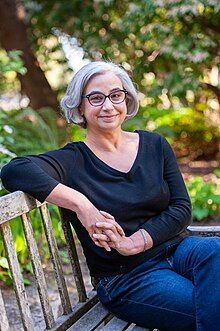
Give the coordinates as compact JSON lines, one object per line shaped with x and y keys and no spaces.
{"x":115,"y":324}
{"x":64,"y":322}
{"x":38,"y":271}
{"x":91,"y":319}
{"x":17,"y":278}
{"x":197,"y":229}
{"x":59,"y":275}
{"x":138,"y":328}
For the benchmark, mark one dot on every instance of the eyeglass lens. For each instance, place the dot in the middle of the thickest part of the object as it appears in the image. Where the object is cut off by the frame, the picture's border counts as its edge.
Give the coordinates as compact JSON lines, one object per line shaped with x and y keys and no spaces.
{"x":97,"y":99}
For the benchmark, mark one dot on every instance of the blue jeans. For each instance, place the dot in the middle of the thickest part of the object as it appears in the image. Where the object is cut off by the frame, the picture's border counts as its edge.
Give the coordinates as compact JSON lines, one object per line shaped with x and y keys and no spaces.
{"x":179,"y":289}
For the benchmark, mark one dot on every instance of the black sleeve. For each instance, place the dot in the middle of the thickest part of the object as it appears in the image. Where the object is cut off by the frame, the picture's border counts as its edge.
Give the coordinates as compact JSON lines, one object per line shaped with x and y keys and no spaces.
{"x":37,"y":175}
{"x":177,"y":216}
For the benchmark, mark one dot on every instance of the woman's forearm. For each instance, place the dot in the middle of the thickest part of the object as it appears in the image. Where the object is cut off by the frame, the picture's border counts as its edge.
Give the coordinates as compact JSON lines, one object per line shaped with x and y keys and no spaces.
{"x":141,"y":241}
{"x":66,"y":197}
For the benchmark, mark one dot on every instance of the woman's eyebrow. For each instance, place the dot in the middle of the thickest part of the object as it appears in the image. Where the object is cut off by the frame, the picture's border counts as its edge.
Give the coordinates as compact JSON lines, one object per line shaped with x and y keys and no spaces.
{"x":112,"y":90}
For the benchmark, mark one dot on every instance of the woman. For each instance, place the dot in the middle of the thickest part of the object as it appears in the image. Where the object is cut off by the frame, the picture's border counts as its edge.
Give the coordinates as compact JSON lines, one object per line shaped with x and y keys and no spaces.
{"x":126,"y":199}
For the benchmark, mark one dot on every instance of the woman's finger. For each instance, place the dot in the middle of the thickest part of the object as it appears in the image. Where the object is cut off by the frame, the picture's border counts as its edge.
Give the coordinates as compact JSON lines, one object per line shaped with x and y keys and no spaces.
{"x":107,"y":215}
{"x":102,"y":244}
{"x":112,"y":225}
{"x":101,"y":236}
{"x":112,"y":237}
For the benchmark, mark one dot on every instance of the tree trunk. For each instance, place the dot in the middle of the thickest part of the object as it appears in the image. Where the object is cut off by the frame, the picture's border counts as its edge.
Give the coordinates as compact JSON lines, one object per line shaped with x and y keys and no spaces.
{"x":13,"y":35}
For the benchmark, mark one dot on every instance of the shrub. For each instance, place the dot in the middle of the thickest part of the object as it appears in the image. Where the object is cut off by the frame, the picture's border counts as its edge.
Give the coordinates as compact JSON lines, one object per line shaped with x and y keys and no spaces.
{"x":205,"y":197}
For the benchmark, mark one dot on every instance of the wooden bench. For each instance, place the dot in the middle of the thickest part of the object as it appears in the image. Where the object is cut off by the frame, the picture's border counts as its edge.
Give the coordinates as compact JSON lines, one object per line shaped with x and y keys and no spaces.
{"x":88,"y":314}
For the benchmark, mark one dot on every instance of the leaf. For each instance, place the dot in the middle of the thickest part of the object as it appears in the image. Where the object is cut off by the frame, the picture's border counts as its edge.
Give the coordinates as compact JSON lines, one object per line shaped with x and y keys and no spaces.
{"x":26,"y":281}
{"x":4,"y":263}
{"x":200,"y":213}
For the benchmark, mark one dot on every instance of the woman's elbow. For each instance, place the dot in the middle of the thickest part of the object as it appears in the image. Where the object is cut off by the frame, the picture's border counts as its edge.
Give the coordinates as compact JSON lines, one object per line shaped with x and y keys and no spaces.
{"x":6,"y":177}
{"x":10,"y":175}
{"x":187,"y":214}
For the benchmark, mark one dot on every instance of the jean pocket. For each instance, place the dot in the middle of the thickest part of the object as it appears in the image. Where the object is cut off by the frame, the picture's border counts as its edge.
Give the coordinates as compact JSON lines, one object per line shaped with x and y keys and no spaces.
{"x":111,"y":280}
{"x":171,"y":249}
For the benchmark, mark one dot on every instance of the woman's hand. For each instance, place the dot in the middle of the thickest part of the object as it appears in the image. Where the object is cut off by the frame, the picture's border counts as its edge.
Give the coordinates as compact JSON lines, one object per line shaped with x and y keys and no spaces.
{"x":89,"y":215}
{"x":86,"y":212}
{"x":124,"y":245}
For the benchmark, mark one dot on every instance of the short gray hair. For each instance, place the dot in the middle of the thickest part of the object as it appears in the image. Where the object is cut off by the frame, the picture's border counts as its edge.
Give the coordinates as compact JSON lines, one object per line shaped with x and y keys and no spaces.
{"x":72,"y":99}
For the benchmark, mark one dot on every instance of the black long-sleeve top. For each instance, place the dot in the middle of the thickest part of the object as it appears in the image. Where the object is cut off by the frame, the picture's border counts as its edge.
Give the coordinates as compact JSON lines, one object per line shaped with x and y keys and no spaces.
{"x":152,"y":195}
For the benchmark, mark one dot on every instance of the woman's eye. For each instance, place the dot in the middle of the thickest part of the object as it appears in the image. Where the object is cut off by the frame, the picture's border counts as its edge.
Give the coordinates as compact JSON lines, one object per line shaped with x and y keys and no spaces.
{"x":96,"y":97}
{"x":116,"y":95}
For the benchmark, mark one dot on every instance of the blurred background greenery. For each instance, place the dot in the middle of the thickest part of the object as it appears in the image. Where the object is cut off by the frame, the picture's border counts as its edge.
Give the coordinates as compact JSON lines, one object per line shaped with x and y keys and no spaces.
{"x":169,"y":47}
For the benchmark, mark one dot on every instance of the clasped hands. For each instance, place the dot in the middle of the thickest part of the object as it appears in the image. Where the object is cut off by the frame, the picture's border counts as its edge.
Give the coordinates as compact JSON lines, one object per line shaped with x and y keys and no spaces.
{"x":109,"y":234}
{"x":106,"y":232}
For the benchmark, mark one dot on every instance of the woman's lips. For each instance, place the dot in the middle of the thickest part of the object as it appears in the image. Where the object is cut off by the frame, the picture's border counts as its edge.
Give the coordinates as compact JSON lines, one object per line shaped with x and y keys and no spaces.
{"x":108,"y":116}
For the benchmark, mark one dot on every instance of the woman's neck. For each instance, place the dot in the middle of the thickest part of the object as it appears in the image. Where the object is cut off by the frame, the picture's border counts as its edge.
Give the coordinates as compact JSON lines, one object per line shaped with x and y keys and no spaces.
{"x":106,"y":141}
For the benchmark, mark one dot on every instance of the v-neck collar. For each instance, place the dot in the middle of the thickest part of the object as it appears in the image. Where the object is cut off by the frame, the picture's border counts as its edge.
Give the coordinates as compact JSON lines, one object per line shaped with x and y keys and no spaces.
{"x":108,"y":167}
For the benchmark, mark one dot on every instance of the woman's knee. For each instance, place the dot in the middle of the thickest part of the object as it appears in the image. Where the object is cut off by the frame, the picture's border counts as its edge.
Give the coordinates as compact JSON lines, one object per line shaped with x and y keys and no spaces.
{"x":193,"y":251}
{"x":200,"y":244}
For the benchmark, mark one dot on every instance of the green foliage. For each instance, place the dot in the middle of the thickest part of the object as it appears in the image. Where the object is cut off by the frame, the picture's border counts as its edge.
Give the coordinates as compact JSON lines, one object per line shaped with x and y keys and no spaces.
{"x":21,"y":245}
{"x":176,"y":40}
{"x":171,"y":47}
{"x":189,"y":131}
{"x":205,"y":197}
{"x":5,"y":139}
{"x":24,"y":131}
{"x":10,"y":63}
{"x":29,"y":133}
{"x":217,"y":172}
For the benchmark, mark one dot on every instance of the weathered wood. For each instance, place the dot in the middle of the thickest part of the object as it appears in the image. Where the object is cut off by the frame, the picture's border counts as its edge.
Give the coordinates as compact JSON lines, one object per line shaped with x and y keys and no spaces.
{"x":206,"y":230}
{"x":139,"y":328}
{"x":91,"y":319}
{"x":15,"y":204}
{"x":38,"y":271}
{"x":115,"y":324}
{"x":17,"y":278}
{"x":65,"y":321}
{"x":62,"y":288}
{"x":71,"y":246}
{"x":4,"y":325}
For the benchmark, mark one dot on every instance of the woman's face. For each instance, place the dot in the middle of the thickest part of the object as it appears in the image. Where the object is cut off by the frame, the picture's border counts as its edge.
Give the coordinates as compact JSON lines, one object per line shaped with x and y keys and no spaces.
{"x":108,"y":116}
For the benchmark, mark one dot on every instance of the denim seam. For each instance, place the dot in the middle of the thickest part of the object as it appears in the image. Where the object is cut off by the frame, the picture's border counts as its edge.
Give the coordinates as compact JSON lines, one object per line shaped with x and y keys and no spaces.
{"x":112,"y":281}
{"x":145,"y":304}
{"x":106,"y":292}
{"x":198,"y":324}
{"x":184,"y":273}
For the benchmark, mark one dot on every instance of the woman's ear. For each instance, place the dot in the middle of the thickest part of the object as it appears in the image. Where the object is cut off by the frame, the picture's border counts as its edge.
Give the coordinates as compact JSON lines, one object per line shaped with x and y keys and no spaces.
{"x":80,"y":110}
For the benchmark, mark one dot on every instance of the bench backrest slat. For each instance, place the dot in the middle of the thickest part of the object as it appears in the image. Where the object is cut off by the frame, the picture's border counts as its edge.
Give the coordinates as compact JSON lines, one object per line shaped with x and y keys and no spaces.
{"x":74,"y":260}
{"x":38,"y":271}
{"x":4,"y":325}
{"x":19,"y":204}
{"x":17,"y":278}
{"x":62,"y":288}
{"x":16,"y":204}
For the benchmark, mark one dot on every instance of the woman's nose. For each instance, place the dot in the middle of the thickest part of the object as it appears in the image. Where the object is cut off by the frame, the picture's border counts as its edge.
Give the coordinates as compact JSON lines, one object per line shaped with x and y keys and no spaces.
{"x":107,"y":104}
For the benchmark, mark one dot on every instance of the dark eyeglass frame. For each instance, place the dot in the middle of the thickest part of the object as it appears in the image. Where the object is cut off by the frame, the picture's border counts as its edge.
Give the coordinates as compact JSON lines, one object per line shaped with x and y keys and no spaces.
{"x":105,"y":96}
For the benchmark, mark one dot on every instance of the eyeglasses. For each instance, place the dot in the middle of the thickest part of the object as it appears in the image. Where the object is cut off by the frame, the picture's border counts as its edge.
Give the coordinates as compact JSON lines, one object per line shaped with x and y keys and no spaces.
{"x":97,"y":98}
